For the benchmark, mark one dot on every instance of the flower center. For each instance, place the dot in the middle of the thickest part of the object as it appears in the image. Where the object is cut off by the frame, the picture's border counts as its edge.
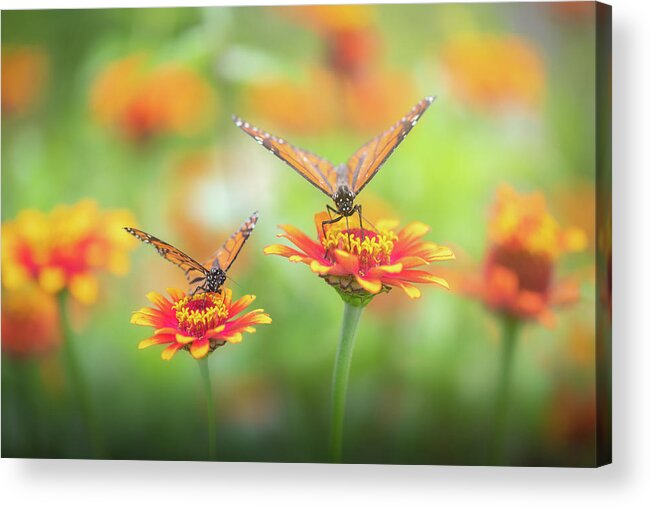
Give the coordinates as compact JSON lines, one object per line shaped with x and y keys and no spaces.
{"x":534,"y":270}
{"x":371,"y":248}
{"x":199,"y":313}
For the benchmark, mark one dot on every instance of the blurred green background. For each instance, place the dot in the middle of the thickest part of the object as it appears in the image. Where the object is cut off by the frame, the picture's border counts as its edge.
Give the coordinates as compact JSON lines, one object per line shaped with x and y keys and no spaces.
{"x":423,"y":374}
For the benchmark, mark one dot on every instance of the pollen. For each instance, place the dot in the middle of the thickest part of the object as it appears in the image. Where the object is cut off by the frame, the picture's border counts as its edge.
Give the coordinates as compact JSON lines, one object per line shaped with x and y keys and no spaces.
{"x":372,"y":248}
{"x":201,"y":312}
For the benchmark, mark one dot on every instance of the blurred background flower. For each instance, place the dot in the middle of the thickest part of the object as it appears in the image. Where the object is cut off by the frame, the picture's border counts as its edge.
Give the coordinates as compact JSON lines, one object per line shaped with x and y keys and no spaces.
{"x":141,"y":99}
{"x":24,"y":75}
{"x":65,"y":249}
{"x":494,"y":72}
{"x":525,"y":241}
{"x":30,"y":322}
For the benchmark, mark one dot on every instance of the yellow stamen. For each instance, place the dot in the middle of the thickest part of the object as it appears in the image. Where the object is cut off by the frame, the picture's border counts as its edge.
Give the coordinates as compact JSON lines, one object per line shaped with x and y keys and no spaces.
{"x":201,"y":312}
{"x":371,"y":246}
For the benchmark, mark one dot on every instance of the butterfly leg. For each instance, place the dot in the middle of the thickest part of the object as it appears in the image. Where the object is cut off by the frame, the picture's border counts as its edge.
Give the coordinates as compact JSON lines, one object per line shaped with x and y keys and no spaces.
{"x":330,"y":210}
{"x":329,"y":222}
{"x":358,"y":209}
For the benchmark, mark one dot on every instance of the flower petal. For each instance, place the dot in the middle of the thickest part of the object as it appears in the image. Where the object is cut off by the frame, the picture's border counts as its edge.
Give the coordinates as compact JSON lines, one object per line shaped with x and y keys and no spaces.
{"x":319,"y":268}
{"x":184,"y":339}
{"x":240,"y":305}
{"x":302,"y":241}
{"x":159,"y":300}
{"x":169,"y":352}
{"x":157,"y":339}
{"x":414,"y":230}
{"x":283,"y":250}
{"x":370,"y":285}
{"x":410,"y":290}
{"x":349,"y":262}
{"x":236,"y":338}
{"x":200,"y":348}
{"x":176,"y":294}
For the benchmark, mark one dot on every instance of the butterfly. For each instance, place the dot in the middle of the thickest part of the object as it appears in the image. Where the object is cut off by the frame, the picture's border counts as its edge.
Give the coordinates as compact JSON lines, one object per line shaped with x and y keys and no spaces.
{"x":342,"y":182}
{"x":210,"y":275}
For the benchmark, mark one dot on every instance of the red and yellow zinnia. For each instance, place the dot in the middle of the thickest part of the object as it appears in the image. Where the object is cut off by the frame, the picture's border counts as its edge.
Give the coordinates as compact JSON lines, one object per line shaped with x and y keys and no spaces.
{"x":197,"y":323}
{"x":65,"y":248}
{"x":525,"y":241}
{"x":362,"y":263}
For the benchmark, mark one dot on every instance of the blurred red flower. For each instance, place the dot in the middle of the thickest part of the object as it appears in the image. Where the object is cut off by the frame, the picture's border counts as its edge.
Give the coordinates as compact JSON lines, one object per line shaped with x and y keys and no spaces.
{"x":30,"y":322}
{"x":517,"y":278}
{"x":64,"y":249}
{"x":142,"y":100}
{"x":24,"y":75}
{"x":494,"y":72}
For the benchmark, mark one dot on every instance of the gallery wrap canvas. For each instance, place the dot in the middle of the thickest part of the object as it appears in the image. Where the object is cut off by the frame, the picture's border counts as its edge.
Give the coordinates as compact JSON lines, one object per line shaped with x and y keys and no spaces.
{"x":340,"y":234}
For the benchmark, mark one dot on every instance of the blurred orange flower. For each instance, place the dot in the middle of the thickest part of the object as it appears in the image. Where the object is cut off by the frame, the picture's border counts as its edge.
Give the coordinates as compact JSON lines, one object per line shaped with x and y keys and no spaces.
{"x":30,"y":322}
{"x":291,"y":104}
{"x":350,"y":88}
{"x":24,"y":74}
{"x":348,"y":32}
{"x":493,"y":72}
{"x":199,"y":323}
{"x":64,"y":249}
{"x":321,"y":101}
{"x":143,"y":100}
{"x":525,"y":243}
{"x":362,"y":263}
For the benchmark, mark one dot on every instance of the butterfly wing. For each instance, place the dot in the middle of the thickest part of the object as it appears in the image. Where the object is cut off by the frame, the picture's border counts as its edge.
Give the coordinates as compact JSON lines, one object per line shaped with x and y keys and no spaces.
{"x":317,"y":170}
{"x":223,"y":258}
{"x":190,"y":267}
{"x":366,"y":162}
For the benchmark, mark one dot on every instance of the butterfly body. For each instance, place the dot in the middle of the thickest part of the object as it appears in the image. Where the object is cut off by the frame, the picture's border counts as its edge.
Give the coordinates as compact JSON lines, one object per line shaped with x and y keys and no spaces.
{"x":211,"y":275}
{"x":214,"y":280}
{"x":343,"y":182}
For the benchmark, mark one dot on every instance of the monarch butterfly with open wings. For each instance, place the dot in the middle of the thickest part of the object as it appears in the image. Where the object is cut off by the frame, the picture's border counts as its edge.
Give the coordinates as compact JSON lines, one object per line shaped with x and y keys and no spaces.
{"x":210,"y":275}
{"x":342,"y":182}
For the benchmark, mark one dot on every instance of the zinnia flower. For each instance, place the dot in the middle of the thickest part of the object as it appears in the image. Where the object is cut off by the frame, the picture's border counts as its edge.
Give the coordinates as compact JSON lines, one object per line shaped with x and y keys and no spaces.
{"x":492,"y":72}
{"x":199,"y":323}
{"x":143,"y":101}
{"x":525,"y":242}
{"x":65,"y":249}
{"x":362,"y":263}
{"x":24,"y":74}
{"x":30,"y":322}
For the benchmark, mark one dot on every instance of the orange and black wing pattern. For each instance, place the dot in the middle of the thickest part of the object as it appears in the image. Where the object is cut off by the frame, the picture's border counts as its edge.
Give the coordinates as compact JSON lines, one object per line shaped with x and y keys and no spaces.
{"x":223,"y":258}
{"x":190,"y":267}
{"x":317,"y":170}
{"x":366,"y":162}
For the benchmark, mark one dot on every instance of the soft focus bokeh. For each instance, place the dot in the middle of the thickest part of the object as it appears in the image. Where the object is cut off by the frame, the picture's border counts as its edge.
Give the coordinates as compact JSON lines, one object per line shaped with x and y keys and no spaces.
{"x":126,"y":113}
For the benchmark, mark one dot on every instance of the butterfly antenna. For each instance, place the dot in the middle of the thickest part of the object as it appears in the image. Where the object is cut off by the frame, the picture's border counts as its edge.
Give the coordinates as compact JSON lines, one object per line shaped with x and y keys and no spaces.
{"x":234,"y":282}
{"x":369,"y":223}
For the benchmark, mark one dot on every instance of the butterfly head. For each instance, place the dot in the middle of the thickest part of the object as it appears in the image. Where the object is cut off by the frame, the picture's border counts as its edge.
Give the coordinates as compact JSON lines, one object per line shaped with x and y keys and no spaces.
{"x":344,"y":199}
{"x":214,"y":280}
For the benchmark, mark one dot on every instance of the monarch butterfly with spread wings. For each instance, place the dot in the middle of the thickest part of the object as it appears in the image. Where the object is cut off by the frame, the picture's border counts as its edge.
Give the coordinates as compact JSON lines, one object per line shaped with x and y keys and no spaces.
{"x":342,"y":182}
{"x":210,"y":275}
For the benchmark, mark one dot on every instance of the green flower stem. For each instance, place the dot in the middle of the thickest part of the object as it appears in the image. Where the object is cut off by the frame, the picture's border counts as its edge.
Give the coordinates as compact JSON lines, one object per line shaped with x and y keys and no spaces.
{"x":77,"y":379}
{"x":510,"y":330}
{"x":340,"y":378}
{"x":210,"y":407}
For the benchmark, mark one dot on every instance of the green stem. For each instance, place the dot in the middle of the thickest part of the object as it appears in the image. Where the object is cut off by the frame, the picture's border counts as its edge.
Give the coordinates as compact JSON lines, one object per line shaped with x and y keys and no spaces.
{"x":340,"y":378}
{"x":510,"y":329}
{"x":77,"y":379}
{"x":210,"y":407}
